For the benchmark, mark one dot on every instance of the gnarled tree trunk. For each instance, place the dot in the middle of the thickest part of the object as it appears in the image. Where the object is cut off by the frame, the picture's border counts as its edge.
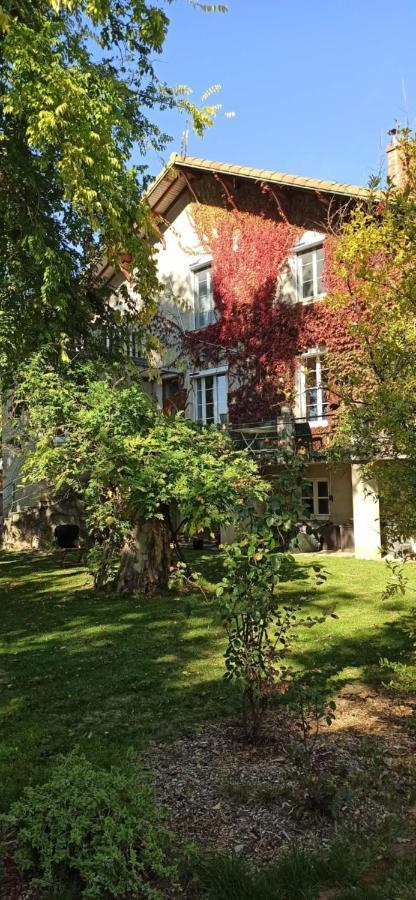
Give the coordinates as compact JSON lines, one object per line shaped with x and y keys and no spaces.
{"x":145,"y":559}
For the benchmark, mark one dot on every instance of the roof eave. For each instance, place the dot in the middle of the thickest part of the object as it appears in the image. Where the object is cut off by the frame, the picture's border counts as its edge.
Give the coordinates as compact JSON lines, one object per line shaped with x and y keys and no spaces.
{"x":177,"y":163}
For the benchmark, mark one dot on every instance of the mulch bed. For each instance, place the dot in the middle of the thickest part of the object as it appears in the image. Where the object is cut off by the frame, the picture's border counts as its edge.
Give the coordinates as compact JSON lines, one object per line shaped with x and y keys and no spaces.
{"x":227,"y":795}
{"x":224,"y":794}
{"x":13,"y":886}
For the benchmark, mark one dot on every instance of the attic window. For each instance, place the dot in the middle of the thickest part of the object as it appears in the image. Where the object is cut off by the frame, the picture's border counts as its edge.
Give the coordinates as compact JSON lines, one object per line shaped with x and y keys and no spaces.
{"x":204,"y":299}
{"x":310,"y":265}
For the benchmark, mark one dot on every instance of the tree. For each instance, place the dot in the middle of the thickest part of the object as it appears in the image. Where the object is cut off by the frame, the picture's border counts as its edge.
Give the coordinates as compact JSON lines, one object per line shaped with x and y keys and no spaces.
{"x":375,"y":286}
{"x":77,"y":91}
{"x":140,"y":474}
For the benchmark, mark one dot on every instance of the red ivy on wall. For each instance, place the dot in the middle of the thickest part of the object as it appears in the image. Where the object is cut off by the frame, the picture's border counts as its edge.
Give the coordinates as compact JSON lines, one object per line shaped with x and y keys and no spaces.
{"x":260,"y":335}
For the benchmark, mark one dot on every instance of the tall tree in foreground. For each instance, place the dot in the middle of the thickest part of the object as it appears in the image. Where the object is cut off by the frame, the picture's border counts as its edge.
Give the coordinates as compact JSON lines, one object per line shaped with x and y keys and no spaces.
{"x":99,"y":436}
{"x":375,"y":256}
{"x":78,"y":92}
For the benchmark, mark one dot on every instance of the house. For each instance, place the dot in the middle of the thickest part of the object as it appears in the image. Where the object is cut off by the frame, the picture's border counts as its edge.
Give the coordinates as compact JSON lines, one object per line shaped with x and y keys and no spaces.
{"x":244,"y":257}
{"x":221,"y":223}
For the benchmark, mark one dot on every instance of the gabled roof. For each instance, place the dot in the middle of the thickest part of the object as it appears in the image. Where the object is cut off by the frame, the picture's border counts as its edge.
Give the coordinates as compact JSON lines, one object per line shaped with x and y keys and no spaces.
{"x":173,"y":179}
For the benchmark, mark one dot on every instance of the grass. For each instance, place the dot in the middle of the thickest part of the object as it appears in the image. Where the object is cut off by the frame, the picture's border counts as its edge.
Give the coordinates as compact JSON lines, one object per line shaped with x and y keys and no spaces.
{"x":351,"y":868}
{"x":109,"y":673}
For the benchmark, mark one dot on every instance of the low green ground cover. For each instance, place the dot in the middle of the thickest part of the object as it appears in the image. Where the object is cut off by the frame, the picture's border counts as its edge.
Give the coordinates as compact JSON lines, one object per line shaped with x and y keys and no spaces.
{"x":110,"y":673}
{"x":107,"y":673}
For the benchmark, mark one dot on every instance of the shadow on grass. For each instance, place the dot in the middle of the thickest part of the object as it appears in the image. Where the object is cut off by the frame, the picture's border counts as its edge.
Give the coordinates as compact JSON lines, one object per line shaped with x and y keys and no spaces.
{"x":105,"y":673}
{"x":363,"y":651}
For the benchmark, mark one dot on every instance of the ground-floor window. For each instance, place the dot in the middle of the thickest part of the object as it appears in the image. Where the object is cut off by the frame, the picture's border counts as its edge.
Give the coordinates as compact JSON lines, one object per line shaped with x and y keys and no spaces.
{"x":316,"y":497}
{"x":173,"y":394}
{"x":210,"y":397}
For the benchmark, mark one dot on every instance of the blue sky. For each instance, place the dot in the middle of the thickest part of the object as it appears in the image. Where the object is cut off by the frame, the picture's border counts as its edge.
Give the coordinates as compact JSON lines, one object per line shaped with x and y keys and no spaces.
{"x":315,"y":85}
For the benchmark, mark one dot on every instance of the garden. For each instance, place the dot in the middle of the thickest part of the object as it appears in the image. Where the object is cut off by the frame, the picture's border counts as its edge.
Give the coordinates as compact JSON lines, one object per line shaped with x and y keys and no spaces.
{"x":320,"y":804}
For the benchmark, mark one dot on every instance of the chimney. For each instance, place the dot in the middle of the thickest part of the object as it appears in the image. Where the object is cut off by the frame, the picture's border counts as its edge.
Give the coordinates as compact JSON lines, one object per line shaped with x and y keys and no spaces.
{"x":395,"y":163}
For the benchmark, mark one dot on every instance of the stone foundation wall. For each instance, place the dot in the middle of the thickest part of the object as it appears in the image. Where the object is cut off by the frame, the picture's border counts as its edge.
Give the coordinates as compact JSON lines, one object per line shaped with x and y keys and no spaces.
{"x":32,"y":527}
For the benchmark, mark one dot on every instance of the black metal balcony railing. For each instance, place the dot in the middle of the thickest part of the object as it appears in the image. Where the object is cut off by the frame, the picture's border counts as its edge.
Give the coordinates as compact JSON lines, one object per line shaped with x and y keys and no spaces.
{"x":269,"y":440}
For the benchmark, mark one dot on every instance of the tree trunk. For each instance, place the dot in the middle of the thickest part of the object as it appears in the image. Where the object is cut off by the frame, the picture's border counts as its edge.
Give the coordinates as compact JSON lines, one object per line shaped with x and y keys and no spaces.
{"x":145,"y":559}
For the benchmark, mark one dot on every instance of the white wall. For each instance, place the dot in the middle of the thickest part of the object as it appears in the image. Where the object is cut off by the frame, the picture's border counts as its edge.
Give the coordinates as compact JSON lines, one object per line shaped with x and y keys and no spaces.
{"x":340,"y":488}
{"x":366,"y":508}
{"x":176,"y":254}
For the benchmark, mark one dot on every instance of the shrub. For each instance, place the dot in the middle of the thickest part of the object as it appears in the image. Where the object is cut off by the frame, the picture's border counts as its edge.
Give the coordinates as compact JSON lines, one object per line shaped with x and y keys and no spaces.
{"x":97,"y":829}
{"x":258,"y":619}
{"x":310,"y":698}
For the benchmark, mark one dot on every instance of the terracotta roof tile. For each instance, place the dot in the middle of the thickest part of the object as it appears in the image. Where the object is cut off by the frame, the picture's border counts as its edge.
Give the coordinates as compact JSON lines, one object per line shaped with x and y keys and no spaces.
{"x":178,"y":162}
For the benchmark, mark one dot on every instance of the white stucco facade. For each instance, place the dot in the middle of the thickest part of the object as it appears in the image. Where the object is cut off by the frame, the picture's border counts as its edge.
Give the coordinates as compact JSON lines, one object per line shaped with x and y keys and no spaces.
{"x":366,"y":512}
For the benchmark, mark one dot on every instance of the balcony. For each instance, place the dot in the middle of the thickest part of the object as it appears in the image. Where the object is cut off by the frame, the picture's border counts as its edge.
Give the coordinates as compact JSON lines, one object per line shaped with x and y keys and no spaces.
{"x":268,"y":441}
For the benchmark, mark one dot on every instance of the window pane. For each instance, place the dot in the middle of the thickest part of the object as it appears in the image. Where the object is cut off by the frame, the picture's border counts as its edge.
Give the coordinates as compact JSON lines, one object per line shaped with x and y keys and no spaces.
{"x":311,"y":390}
{"x":323,"y":489}
{"x":323,"y":387}
{"x":209,"y":399}
{"x":306,"y":261}
{"x":199,"y":404}
{"x":316,"y":398}
{"x":307,"y":495}
{"x":202,"y":282}
{"x":311,"y":377}
{"x":324,"y":373}
{"x":312,"y":404}
{"x":307,"y":270}
{"x":323,"y":506}
{"x":204,"y":302}
{"x":222,"y":399}
{"x":307,"y":489}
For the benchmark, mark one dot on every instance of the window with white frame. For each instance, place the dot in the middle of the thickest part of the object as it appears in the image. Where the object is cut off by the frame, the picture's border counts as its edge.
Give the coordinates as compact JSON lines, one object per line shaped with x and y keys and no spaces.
{"x":210,"y":396}
{"x":133,"y":345}
{"x":313,"y":388}
{"x":204,"y":299}
{"x":316,"y":496}
{"x":310,"y":266}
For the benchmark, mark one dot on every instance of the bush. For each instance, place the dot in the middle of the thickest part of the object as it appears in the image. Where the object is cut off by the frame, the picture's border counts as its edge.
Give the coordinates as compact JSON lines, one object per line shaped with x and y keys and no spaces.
{"x":93,"y":830}
{"x":310,"y":698}
{"x":258,"y":618}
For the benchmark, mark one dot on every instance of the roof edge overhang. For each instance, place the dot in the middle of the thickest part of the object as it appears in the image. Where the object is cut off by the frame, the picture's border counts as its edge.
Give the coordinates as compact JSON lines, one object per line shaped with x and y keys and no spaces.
{"x":178,"y":173}
{"x":174,"y":178}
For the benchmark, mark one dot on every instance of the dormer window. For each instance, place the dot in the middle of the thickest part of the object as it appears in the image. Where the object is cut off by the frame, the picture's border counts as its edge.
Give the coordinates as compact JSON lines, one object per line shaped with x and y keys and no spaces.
{"x":310,"y":265}
{"x":204,"y":299}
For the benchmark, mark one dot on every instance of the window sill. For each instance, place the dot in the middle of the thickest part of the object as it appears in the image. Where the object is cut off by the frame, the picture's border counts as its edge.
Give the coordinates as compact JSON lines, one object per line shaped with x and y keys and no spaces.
{"x":317,"y":423}
{"x":307,"y":301}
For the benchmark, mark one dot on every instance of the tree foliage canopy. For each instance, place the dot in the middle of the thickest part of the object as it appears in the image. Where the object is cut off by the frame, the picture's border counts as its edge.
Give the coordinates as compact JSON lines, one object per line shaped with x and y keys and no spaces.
{"x":78,"y":90}
{"x":375,"y":258}
{"x":99,"y":436}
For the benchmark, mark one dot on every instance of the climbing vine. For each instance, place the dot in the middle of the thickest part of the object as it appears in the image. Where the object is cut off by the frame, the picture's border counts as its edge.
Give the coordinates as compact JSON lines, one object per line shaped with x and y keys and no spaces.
{"x":258,"y":331}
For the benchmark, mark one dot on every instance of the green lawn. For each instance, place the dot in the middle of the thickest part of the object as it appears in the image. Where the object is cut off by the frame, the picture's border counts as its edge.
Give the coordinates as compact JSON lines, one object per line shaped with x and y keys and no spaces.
{"x":110,"y":673}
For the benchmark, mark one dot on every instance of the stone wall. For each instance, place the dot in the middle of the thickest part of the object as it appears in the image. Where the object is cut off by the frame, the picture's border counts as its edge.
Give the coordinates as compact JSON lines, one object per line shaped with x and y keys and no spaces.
{"x":32,"y":527}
